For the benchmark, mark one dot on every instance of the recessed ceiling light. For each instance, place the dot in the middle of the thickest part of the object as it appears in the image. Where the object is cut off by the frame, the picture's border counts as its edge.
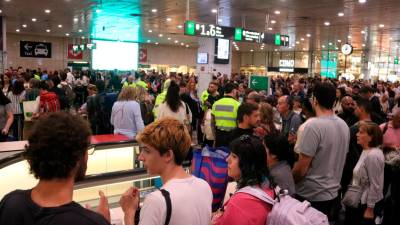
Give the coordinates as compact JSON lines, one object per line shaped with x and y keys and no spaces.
{"x":276,"y":50}
{"x":269,"y":28}
{"x":169,"y":19}
{"x":47,"y":11}
{"x":251,"y":50}
{"x":339,"y":41}
{"x":182,"y":43}
{"x":304,"y":49}
{"x":273,"y":21}
{"x":17,"y":30}
{"x":156,"y":43}
{"x":80,"y":31}
{"x":154,"y":10}
{"x":148,"y":41}
{"x":214,"y":10}
{"x":308,"y":35}
{"x":220,"y":20}
{"x":76,"y":19}
{"x":1,"y":11}
{"x":336,"y":48}
{"x":7,"y":0}
{"x":390,"y":38}
{"x":340,"y":14}
{"x":363,"y":32}
{"x":59,"y":25}
{"x":297,"y":42}
{"x":323,"y":46}
{"x":169,"y":38}
{"x":179,"y":26}
{"x":363,"y":45}
{"x":34,"y":19}
{"x":277,"y":12}
{"x":66,"y":34}
{"x":349,"y":37}
{"x":187,"y":46}
{"x":327,"y":23}
{"x":302,"y":39}
{"x":160,"y":35}
{"x":150,"y":31}
{"x":98,"y":10}
{"x":83,"y":37}
{"x":176,"y":41}
{"x":24,"y":25}
{"x":362,"y":1}
{"x":48,"y":30}
{"x":381,"y":25}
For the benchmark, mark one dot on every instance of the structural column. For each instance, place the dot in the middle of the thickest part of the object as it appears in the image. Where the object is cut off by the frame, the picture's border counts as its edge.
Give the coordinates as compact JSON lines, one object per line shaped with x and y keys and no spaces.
{"x":206,"y":71}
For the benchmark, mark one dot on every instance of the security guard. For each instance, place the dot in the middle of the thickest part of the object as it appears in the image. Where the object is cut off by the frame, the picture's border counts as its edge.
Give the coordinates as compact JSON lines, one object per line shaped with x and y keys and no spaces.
{"x":161,"y":98}
{"x":139,"y":80}
{"x":224,"y":113}
{"x":209,"y":96}
{"x":129,"y":82}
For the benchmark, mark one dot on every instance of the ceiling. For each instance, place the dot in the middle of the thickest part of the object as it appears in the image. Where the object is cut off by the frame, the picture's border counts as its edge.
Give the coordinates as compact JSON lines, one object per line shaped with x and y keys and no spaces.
{"x":136,"y":20}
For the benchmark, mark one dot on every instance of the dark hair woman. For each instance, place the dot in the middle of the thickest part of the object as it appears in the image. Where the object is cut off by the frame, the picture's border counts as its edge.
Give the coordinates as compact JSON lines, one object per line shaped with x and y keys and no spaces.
{"x":17,"y":96}
{"x":280,"y":159}
{"x":5,"y":83}
{"x":6,"y":117}
{"x":247,"y":166}
{"x":174,"y":107}
{"x":337,"y":106}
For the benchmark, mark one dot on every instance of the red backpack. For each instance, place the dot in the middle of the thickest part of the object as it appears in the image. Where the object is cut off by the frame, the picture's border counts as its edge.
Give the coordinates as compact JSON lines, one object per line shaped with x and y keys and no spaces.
{"x":49,"y":103}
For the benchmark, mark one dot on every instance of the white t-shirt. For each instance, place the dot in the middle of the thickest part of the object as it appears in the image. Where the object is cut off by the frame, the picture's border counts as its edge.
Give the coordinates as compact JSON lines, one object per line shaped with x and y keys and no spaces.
{"x":181,"y":114}
{"x":191,"y":200}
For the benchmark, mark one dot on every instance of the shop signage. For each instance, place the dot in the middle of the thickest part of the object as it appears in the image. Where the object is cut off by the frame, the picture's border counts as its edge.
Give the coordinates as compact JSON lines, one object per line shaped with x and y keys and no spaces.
{"x":35,"y":49}
{"x":144,"y":66}
{"x":72,"y":54}
{"x":286,"y":65}
{"x":259,"y":83}
{"x":193,"y":28}
{"x":143,"y":55}
{"x":396,"y":60}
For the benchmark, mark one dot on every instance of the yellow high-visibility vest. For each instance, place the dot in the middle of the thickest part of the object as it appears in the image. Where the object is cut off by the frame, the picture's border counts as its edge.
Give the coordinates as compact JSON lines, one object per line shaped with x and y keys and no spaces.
{"x":225,"y":113}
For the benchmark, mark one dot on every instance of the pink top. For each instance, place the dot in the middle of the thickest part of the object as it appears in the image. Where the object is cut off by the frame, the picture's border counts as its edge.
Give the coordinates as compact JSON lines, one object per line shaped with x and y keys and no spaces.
{"x":391,"y":138}
{"x":244,"y":209}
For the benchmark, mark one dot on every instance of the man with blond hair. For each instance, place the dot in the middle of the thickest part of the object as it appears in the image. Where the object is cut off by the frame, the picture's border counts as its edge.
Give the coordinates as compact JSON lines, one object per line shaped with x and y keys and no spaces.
{"x":183,"y":199}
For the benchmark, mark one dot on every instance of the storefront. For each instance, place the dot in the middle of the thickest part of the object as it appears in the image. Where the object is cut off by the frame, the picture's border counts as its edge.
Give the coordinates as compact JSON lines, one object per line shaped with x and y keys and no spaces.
{"x":184,"y":69}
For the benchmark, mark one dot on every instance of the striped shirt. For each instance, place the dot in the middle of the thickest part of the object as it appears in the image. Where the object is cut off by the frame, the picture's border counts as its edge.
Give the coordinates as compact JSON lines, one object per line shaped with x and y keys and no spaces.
{"x":16,"y":101}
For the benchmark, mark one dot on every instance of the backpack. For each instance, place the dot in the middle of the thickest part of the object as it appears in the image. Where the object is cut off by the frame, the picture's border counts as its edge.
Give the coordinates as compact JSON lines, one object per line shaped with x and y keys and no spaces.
{"x":49,"y":103}
{"x":69,"y":93}
{"x":168,"y":204}
{"x":287,"y":210}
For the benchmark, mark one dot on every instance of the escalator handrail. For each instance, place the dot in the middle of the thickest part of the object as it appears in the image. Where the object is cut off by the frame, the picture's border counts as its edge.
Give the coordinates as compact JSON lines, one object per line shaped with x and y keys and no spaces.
{"x":6,"y":161}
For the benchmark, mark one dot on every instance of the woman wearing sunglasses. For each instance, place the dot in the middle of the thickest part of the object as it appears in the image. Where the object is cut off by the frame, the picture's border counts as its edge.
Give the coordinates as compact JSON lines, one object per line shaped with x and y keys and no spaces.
{"x":247,"y":166}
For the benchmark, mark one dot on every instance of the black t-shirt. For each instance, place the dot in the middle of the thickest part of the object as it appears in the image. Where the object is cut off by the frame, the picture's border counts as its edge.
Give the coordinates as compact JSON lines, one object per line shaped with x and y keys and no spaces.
{"x":17,"y":208}
{"x":237,"y":132}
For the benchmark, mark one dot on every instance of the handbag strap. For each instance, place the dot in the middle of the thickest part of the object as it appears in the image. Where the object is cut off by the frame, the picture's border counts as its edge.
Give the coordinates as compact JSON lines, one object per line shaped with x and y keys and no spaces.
{"x":168,"y":203}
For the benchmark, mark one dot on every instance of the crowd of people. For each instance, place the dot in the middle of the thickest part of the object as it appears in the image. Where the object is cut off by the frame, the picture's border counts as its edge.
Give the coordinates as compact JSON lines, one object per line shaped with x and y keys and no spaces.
{"x":334,"y":143}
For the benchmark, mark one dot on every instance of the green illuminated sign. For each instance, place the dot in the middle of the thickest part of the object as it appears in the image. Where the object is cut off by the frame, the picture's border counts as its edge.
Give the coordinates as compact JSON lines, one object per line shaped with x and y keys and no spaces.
{"x":238,"y":34}
{"x":396,"y":61}
{"x":189,"y":28}
{"x":277,"y":39}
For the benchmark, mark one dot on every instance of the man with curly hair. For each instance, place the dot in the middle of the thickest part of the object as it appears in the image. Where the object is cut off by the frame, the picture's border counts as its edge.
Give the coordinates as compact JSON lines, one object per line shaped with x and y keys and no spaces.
{"x":57,"y":156}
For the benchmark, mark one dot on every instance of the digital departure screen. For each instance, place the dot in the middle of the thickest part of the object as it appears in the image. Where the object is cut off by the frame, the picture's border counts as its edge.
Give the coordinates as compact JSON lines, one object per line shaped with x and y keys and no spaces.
{"x":207,"y":30}
{"x":222,"y":51}
{"x":110,"y":55}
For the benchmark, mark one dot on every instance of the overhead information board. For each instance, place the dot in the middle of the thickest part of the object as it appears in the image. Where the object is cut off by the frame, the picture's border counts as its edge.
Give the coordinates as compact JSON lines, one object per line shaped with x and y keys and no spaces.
{"x":193,"y":28}
{"x":207,"y":30}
